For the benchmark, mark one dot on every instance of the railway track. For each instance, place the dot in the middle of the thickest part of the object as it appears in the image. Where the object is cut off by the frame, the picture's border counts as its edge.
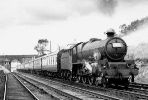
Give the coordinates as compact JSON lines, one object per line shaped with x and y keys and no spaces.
{"x":16,"y":90}
{"x":140,"y":88}
{"x":39,"y":92}
{"x":139,"y":85}
{"x":70,"y":92}
{"x":129,"y":94}
{"x":49,"y":90}
{"x":126,"y":94}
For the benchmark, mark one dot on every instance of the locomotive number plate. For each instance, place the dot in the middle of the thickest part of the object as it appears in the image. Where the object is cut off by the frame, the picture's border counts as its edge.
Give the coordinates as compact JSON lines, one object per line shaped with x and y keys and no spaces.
{"x":117,"y":45}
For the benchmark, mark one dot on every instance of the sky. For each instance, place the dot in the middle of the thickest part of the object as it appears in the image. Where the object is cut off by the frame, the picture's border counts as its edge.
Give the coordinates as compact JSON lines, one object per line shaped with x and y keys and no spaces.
{"x":63,"y":22}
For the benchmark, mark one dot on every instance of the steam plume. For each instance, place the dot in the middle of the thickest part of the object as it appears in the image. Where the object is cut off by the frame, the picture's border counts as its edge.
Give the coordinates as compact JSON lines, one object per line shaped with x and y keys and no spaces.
{"x":133,"y":26}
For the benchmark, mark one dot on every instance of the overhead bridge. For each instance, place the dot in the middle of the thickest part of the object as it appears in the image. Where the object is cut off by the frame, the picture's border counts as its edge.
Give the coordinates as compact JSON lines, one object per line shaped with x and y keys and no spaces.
{"x":5,"y":60}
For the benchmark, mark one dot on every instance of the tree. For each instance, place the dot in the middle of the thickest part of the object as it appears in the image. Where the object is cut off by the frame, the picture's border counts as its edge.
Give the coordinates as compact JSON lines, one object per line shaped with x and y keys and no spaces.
{"x":41,"y":46}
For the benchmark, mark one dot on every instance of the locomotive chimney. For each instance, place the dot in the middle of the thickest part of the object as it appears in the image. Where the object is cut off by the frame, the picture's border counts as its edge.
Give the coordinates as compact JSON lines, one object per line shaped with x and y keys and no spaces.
{"x":110,"y":33}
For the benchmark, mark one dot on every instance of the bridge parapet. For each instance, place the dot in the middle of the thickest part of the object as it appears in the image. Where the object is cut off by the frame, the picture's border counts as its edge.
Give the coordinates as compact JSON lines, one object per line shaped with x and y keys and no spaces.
{"x":5,"y":60}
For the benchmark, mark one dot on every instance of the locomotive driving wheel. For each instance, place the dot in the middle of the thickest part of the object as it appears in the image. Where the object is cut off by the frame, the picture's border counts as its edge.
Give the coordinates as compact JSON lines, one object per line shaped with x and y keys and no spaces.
{"x":61,"y":74}
{"x":84,"y":80}
{"x":79,"y":79}
{"x":69,"y":75}
{"x":130,"y":79}
{"x":96,"y":81}
{"x":90,"y":80}
{"x":104,"y":82}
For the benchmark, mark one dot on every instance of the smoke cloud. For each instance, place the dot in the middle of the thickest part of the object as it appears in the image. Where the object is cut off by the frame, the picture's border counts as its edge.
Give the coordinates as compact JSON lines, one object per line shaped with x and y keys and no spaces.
{"x":107,"y":7}
{"x":133,"y":26}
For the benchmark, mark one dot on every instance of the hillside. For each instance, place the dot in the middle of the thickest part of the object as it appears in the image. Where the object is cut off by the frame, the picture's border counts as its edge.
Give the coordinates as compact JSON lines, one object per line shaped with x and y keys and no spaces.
{"x":141,"y":52}
{"x":143,"y":75}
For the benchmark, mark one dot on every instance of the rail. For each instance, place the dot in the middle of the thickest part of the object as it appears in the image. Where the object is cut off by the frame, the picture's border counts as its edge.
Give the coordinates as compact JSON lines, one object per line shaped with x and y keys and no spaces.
{"x":26,"y":88}
{"x":4,"y":96}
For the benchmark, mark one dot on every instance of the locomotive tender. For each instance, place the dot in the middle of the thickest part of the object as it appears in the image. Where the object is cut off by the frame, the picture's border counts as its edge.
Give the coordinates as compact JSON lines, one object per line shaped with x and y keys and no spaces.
{"x":94,"y":62}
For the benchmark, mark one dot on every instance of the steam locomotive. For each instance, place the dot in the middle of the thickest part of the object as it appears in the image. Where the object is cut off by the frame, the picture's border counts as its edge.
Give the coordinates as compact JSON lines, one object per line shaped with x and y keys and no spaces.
{"x":95,"y":62}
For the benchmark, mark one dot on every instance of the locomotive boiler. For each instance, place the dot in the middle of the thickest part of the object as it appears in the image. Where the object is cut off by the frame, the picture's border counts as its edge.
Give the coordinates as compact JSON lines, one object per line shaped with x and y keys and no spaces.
{"x":113,"y":49}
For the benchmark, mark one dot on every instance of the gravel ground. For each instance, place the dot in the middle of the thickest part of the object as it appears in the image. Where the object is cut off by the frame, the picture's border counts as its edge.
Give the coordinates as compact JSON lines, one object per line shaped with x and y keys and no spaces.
{"x":2,"y":84}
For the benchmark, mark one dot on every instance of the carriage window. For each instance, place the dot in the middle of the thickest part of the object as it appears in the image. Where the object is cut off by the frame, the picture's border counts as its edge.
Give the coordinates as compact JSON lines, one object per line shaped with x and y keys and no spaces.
{"x":47,"y":61}
{"x":53,"y":60}
{"x":50,"y":60}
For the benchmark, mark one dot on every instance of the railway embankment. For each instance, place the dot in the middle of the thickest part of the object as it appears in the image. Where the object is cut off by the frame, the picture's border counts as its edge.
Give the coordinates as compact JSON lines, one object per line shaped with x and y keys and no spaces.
{"x":140,"y":54}
{"x":142,"y":77}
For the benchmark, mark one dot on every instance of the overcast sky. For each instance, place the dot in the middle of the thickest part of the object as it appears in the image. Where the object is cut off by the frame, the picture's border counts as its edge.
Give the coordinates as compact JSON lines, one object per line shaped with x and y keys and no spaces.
{"x":23,"y":22}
